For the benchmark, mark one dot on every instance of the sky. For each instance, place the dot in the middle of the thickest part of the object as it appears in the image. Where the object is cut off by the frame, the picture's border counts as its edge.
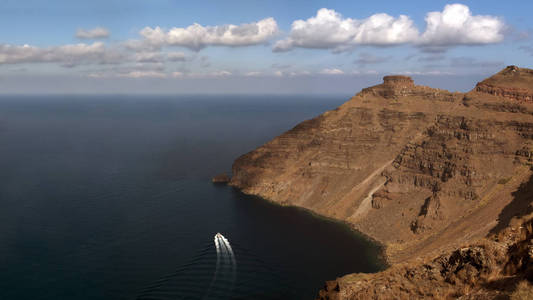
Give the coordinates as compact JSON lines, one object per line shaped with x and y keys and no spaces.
{"x":249,"y":46}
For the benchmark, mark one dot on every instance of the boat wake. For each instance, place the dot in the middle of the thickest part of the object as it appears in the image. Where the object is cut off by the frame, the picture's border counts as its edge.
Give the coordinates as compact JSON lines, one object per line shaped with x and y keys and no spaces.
{"x":213,"y":275}
{"x":225,"y":270}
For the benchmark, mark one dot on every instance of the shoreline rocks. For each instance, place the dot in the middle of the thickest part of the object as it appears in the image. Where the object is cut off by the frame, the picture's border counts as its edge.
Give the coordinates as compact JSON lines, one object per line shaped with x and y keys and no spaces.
{"x":221,"y":178}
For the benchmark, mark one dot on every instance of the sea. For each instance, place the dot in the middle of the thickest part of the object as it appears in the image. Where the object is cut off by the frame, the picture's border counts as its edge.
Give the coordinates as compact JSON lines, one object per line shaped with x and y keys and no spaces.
{"x":110,"y":197}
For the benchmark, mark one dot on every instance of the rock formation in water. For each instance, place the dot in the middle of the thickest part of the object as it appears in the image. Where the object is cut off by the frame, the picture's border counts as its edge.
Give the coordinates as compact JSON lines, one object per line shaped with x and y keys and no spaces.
{"x":221,"y":178}
{"x":418,"y":169}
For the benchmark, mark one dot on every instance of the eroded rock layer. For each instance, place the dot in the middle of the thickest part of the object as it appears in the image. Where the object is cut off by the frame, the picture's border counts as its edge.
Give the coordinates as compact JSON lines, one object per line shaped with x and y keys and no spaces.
{"x":416,"y":168}
{"x":499,"y":267}
{"x":513,"y":83}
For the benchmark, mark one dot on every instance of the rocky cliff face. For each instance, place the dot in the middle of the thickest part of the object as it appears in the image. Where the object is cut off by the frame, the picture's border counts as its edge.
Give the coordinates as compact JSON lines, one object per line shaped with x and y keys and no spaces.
{"x":512,"y":83}
{"x":420,"y":170}
{"x":499,"y":267}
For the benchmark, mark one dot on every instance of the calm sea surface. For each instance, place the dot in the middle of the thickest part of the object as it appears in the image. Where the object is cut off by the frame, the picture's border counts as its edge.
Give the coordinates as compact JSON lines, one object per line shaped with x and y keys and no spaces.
{"x":109,"y":197}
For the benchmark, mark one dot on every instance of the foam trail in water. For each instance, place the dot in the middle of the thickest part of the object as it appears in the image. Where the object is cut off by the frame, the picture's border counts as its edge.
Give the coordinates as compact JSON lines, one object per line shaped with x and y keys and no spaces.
{"x":233,"y":263}
{"x":229,"y":251}
{"x":225,"y":260}
{"x":231,"y":257}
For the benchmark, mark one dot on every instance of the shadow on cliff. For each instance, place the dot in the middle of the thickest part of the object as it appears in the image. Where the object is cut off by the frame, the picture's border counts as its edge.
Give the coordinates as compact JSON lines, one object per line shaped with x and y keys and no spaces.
{"x":520,"y":206}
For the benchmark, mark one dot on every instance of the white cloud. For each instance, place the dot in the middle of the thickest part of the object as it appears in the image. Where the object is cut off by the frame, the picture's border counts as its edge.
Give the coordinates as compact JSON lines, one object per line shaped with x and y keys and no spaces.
{"x":137,"y":70}
{"x":221,"y":73}
{"x":159,"y":57}
{"x":456,"y":25}
{"x":142,"y":71}
{"x":253,"y":74}
{"x":147,"y":71}
{"x":91,"y":34}
{"x":330,"y":30}
{"x":71,"y":55}
{"x":299,"y":73}
{"x":149,"y":57}
{"x":197,"y":37}
{"x":291,"y":73}
{"x":67,"y":55}
{"x":143,"y":74}
{"x":212,"y":74}
{"x":332,"y":71}
{"x":364,"y":72}
{"x":146,"y":57}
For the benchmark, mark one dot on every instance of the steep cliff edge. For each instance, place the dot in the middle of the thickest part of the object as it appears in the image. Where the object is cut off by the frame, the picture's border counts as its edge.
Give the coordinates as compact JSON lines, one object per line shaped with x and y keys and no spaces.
{"x":418,"y":169}
{"x":498,"y":267}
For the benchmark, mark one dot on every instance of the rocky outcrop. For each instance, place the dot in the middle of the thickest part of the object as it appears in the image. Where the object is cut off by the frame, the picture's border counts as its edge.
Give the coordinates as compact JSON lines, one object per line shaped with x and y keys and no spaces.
{"x":492,"y":268}
{"x":511,"y":83}
{"x":518,"y":94}
{"x":392,"y":87}
{"x":221,"y":178}
{"x":420,"y":170}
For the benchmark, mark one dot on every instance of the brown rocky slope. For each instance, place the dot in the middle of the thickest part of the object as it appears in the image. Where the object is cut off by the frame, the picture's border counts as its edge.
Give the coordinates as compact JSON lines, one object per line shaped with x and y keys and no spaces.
{"x":499,"y":267}
{"x":420,"y":170}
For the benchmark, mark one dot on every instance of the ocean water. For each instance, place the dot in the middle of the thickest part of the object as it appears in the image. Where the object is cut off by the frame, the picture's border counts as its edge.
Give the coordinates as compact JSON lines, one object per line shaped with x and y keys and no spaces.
{"x":109,"y":197}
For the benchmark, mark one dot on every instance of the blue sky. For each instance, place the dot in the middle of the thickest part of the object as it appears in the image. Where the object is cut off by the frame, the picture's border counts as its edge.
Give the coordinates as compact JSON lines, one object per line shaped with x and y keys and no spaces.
{"x":285,"y":46}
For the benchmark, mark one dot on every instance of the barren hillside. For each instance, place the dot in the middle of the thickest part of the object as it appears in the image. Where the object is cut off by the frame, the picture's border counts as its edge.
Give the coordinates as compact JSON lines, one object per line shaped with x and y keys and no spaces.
{"x":417,"y":169}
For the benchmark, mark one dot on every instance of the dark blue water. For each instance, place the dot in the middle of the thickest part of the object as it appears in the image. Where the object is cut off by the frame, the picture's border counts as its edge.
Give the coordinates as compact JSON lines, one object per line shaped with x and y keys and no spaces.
{"x":109,"y":197}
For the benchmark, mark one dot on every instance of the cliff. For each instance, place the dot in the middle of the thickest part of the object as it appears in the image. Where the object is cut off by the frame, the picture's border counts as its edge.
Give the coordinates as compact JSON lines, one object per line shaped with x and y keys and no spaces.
{"x":512,"y":82}
{"x":498,"y":267}
{"x":420,"y":170}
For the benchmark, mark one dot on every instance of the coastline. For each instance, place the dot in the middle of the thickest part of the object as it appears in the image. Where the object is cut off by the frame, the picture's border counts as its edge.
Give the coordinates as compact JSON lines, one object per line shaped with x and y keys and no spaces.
{"x":383,"y":259}
{"x":415,"y":170}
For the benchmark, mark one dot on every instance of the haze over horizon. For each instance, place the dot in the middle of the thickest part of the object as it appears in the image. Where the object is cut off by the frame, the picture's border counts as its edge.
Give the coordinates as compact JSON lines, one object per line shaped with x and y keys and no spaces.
{"x":255,"y":47}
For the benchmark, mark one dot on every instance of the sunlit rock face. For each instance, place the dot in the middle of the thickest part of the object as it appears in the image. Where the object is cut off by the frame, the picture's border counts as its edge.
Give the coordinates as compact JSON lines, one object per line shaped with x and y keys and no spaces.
{"x":512,"y":83}
{"x":497,"y":267}
{"x":416,"y":168}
